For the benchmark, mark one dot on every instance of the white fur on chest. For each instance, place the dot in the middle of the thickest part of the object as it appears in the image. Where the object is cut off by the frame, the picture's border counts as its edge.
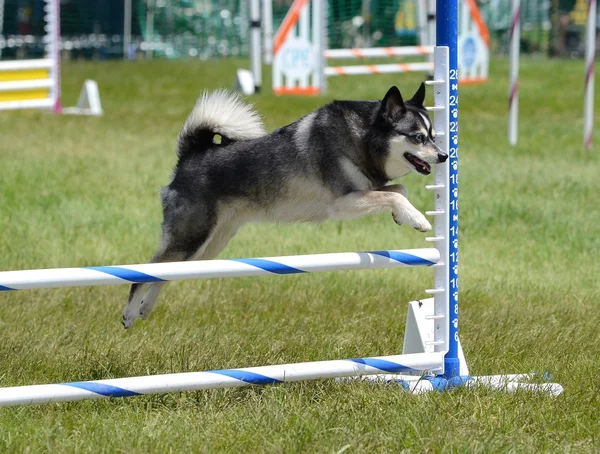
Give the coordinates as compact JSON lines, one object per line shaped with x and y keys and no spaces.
{"x":355,"y":175}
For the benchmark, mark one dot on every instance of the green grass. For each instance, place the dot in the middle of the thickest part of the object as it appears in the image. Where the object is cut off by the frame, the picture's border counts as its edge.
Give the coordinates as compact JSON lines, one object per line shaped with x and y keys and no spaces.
{"x":79,"y":191}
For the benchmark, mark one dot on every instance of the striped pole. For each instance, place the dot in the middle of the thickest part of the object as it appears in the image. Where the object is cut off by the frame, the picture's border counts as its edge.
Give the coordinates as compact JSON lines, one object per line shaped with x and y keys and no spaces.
{"x":513,"y":100}
{"x":228,"y":378}
{"x":391,"y":68}
{"x":379,"y":52}
{"x":590,"y":54}
{"x":208,"y":269}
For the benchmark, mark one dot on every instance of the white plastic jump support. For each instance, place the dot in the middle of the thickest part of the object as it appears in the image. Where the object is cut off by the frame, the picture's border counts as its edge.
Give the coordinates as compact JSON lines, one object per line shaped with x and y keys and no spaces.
{"x":590,"y":56}
{"x":89,"y":101}
{"x":513,"y":93}
{"x":420,"y":331}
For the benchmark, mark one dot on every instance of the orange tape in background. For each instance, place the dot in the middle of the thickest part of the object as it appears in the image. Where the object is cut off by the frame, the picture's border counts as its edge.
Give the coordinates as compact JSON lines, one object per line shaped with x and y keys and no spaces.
{"x":483,"y":30}
{"x":289,"y":21}
{"x":296,"y":91}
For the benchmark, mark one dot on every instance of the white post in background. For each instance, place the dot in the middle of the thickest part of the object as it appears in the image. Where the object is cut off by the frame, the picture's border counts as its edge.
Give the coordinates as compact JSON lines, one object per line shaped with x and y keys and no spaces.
{"x":255,"y":47}
{"x":366,"y":14}
{"x":423,"y":30}
{"x":267,"y":30}
{"x":430,"y":16}
{"x":513,"y":100}
{"x":590,"y":53}
{"x":320,"y":38}
{"x":430,"y":24}
{"x":126,"y":28}
{"x":52,"y":43}
{"x":1,"y":21}
{"x":149,"y":29}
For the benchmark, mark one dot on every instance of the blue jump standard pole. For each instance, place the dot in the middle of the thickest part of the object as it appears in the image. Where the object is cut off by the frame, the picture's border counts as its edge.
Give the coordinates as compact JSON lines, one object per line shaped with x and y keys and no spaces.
{"x":447,"y":35}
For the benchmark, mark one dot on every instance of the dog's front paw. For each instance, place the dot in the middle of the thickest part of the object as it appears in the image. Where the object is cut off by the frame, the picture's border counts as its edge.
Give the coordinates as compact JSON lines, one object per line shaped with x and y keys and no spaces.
{"x":416,"y":220}
{"x":421,"y":224}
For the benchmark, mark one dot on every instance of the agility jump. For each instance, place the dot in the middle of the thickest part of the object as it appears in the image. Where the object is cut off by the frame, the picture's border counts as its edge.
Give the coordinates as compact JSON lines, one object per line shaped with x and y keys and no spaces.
{"x":26,"y":84}
{"x":300,"y":55}
{"x":35,"y":83}
{"x":432,"y":357}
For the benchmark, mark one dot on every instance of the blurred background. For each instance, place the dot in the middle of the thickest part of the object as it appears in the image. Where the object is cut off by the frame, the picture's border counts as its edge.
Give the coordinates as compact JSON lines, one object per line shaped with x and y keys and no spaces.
{"x":206,"y":29}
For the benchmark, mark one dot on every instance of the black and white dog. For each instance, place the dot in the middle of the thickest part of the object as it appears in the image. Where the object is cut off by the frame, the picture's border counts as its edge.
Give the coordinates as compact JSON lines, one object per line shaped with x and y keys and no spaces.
{"x":333,"y":163}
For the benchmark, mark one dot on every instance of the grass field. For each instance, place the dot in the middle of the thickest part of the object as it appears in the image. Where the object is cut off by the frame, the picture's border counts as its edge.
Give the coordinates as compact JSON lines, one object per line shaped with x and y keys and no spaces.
{"x":79,"y":191}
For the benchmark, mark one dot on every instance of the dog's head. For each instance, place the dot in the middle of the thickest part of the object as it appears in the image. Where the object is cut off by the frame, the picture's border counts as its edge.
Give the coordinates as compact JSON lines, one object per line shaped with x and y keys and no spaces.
{"x":410,"y":132}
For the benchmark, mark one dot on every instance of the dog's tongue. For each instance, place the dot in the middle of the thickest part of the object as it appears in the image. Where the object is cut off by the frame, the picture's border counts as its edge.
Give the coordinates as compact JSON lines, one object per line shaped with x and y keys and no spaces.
{"x":425,"y":168}
{"x":421,"y":163}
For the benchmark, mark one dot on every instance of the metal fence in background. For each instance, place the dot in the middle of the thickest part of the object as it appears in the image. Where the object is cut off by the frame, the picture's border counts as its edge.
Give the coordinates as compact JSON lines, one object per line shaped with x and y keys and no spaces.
{"x":102,"y":29}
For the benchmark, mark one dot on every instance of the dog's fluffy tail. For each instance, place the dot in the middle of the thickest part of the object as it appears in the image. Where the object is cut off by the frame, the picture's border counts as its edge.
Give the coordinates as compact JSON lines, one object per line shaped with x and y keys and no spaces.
{"x":218,"y":113}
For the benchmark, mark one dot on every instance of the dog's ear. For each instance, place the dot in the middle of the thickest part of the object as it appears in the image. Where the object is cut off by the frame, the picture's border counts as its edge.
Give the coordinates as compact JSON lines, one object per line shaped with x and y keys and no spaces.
{"x":392,"y":105}
{"x":419,"y":98}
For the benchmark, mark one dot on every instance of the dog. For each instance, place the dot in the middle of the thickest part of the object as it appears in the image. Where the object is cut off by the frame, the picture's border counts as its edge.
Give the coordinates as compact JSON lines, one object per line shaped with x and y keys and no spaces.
{"x":333,"y":163}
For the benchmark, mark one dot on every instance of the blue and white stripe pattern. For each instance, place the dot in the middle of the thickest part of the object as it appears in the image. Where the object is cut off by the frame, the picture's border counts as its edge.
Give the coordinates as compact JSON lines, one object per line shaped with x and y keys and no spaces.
{"x":266,"y":375}
{"x":158,"y":272}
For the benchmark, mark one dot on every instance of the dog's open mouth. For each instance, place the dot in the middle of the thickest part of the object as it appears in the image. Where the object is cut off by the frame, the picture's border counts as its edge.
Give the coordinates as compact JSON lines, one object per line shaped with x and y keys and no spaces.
{"x":420,"y":166}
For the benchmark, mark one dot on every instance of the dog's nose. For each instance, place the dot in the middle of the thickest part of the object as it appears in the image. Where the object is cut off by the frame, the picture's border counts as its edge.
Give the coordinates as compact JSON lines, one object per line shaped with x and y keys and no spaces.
{"x":442,"y":157}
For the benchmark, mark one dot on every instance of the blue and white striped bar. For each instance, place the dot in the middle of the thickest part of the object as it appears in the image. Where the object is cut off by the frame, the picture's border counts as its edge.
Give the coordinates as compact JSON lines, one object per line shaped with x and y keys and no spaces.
{"x":228,"y":378}
{"x":207,"y":269}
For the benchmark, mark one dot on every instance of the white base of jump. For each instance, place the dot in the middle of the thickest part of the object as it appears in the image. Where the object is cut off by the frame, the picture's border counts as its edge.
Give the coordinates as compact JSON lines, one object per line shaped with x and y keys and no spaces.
{"x":507,"y":383}
{"x":419,"y":339}
{"x":419,"y":334}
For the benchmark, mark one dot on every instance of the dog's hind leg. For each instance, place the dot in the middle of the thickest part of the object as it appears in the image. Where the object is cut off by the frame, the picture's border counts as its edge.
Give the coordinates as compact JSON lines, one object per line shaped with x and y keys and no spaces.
{"x":187,"y":227}
{"x":142,"y":293}
{"x":212,"y":247}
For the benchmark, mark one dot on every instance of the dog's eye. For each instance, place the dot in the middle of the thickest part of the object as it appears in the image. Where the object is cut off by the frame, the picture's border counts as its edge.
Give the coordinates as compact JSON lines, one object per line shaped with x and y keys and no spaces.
{"x":420,"y":138}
